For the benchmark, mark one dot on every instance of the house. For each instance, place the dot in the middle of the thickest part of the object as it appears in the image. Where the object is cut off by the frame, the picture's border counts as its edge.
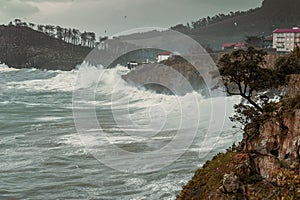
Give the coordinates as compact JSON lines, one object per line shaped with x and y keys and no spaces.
{"x":268,"y":42}
{"x":132,"y":65}
{"x":240,"y":45}
{"x":233,"y":45}
{"x":285,"y":40}
{"x":164,"y":56}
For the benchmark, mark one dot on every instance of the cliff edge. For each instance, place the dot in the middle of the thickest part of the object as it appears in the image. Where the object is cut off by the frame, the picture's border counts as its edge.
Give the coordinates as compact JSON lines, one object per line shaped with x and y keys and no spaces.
{"x":265,"y":165}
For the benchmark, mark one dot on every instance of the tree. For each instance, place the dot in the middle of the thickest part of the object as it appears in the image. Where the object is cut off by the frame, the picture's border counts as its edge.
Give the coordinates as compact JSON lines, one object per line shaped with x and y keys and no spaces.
{"x":24,"y":24}
{"x":40,"y":28}
{"x":288,"y":65}
{"x":91,"y":38}
{"x":65,"y":34}
{"x":254,"y":41}
{"x":243,"y":74}
{"x":75,"y":36}
{"x":32,"y":25}
{"x":68,"y":34}
{"x":180,"y":28}
{"x":17,"y":22}
{"x":59,"y":32}
{"x":83,"y":37}
{"x":188,"y":26}
{"x":50,"y":30}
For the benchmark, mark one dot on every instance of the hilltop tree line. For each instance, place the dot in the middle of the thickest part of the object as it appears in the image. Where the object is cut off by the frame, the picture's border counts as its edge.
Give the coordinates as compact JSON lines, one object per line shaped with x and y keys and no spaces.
{"x":69,"y":35}
{"x":275,"y":13}
{"x":204,"y":22}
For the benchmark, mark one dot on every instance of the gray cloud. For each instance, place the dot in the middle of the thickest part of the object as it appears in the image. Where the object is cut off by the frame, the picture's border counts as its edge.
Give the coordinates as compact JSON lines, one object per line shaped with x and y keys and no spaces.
{"x":57,"y":1}
{"x":109,"y":15}
{"x":16,"y":8}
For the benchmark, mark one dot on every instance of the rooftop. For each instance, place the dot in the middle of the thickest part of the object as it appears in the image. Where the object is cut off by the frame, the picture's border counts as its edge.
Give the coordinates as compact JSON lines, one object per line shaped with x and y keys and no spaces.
{"x":269,"y":38}
{"x":287,"y":30}
{"x":234,"y":44}
{"x":165,"y":53}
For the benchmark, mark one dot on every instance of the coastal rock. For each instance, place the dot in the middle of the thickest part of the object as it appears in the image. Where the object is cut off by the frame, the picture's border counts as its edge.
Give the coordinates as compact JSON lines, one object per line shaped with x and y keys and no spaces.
{"x":276,"y":141}
{"x":174,"y":76}
{"x":230,"y":183}
{"x":294,"y":85}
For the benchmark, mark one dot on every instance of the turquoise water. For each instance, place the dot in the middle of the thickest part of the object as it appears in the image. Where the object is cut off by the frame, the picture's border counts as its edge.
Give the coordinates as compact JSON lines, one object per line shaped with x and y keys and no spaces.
{"x":43,"y":157}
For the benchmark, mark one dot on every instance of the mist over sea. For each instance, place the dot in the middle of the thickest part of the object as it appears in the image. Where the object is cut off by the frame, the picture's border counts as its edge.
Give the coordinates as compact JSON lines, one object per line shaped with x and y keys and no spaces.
{"x":43,"y":157}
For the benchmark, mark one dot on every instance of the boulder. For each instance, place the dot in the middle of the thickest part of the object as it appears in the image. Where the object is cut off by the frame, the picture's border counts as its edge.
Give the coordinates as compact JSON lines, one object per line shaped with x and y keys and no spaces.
{"x":231,"y":183}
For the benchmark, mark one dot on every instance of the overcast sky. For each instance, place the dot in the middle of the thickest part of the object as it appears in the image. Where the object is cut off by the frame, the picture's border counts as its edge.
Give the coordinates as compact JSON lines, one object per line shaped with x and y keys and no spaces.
{"x":116,"y":16}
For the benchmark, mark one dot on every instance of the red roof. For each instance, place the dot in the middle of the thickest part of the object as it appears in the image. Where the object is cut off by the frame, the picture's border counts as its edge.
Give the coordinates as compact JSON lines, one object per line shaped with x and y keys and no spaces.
{"x":165,"y":53}
{"x":231,"y":44}
{"x":287,"y":30}
{"x":269,"y":38}
{"x":240,"y":44}
{"x":234,"y":44}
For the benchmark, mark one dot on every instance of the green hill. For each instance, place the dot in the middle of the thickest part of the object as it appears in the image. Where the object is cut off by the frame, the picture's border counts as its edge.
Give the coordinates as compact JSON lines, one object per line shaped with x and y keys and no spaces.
{"x":235,"y":27}
{"x":23,"y":47}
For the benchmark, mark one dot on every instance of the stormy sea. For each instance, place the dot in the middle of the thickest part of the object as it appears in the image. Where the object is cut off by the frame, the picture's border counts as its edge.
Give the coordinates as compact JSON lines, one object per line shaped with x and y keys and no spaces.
{"x":44,"y":156}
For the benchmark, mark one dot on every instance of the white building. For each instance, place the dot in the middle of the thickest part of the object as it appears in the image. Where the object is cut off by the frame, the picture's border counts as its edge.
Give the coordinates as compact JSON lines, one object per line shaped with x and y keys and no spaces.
{"x":285,"y":40}
{"x":164,"y":56}
{"x":132,"y":65}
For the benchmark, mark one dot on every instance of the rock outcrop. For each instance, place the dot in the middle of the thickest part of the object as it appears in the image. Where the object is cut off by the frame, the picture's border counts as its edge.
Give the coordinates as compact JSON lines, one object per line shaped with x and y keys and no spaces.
{"x":268,"y":164}
{"x":294,"y":85}
{"x":277,"y":143}
{"x":231,"y":183}
{"x":276,"y":140}
{"x":174,"y":76}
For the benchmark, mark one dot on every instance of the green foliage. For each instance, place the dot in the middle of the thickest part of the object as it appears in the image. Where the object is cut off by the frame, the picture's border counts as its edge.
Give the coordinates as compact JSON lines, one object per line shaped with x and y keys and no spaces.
{"x":288,"y":65}
{"x":206,"y":21}
{"x":243,"y":73}
{"x":244,"y":114}
{"x":270,"y":107}
{"x":208,"y":178}
{"x":254,"y":41}
{"x":235,"y":148}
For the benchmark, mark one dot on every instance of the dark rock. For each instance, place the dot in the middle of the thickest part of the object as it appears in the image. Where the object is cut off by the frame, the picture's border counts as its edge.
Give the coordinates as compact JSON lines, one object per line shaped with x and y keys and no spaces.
{"x":169,"y":77}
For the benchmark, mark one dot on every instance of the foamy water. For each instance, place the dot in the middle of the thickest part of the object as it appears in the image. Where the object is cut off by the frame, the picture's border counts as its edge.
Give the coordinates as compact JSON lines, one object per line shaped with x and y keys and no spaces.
{"x":43,"y":156}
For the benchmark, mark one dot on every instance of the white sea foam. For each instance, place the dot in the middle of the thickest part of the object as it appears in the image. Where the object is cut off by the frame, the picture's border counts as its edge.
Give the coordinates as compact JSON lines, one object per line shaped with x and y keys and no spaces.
{"x":63,"y":81}
{"x":140,"y":113}
{"x":47,"y":119}
{"x":147,"y":112}
{"x":5,"y":68}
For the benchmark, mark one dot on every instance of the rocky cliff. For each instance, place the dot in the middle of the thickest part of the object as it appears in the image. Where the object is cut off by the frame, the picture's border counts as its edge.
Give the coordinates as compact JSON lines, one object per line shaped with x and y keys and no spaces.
{"x":23,"y":47}
{"x":275,"y":141}
{"x":174,"y":76}
{"x":265,"y":166}
{"x":294,"y":86}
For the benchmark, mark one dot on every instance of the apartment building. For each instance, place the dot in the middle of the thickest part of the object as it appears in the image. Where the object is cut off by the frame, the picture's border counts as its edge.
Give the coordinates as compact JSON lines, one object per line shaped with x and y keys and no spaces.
{"x":285,"y":40}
